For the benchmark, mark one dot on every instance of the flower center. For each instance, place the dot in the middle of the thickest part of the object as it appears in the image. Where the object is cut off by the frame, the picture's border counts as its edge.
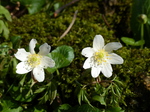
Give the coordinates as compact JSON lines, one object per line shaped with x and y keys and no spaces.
{"x":100,"y":56}
{"x":34,"y":60}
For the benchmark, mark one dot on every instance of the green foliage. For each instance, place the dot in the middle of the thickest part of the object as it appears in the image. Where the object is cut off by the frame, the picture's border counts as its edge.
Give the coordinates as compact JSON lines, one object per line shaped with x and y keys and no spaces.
{"x":71,"y":81}
{"x":8,"y":106}
{"x":81,"y":108}
{"x":131,"y":41}
{"x":140,"y":20}
{"x":62,"y":108}
{"x":4,"y":17}
{"x":15,"y":41}
{"x":33,"y":6}
{"x":63,"y":56}
{"x":115,"y":109}
{"x":82,"y":96}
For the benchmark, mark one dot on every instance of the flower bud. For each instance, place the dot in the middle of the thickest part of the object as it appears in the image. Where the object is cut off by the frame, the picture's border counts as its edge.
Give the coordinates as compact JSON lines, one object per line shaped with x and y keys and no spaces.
{"x":142,"y":18}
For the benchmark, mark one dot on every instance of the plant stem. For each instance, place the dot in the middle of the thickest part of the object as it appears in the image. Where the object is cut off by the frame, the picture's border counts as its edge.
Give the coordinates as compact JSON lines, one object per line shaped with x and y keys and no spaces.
{"x":142,"y":34}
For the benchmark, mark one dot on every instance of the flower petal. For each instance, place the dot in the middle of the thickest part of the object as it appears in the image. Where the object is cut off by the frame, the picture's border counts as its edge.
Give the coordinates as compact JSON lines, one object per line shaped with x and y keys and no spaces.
{"x":39,"y":74}
{"x":107,"y":70}
{"x":87,"y":64}
{"x":47,"y":62}
{"x":98,"y":42}
{"x":22,"y":54}
{"x":23,"y":68}
{"x":32,"y":46}
{"x":44,"y":49}
{"x":87,"y":52}
{"x":95,"y":71}
{"x":114,"y":59}
{"x":112,"y":46}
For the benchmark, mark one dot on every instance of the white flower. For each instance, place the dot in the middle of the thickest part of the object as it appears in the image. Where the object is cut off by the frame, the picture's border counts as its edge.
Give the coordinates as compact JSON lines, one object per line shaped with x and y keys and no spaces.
{"x":100,"y":57}
{"x":30,"y":61}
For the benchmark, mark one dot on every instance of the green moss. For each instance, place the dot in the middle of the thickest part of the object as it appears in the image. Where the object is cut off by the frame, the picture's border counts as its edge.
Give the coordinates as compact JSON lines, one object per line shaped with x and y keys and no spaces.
{"x":89,"y":22}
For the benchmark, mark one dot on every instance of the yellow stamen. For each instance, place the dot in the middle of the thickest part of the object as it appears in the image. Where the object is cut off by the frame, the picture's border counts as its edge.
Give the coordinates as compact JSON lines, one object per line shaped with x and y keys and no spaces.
{"x":100,"y":56}
{"x":34,"y":60}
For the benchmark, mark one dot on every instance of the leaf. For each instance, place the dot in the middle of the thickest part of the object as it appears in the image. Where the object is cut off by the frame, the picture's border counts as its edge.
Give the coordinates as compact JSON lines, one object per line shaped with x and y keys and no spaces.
{"x":131,"y":41}
{"x":139,"y":43}
{"x":99,"y":99}
{"x":82,"y":96}
{"x":38,"y":108}
{"x":5,"y":12}
{"x":115,"y":109}
{"x":63,"y":56}
{"x":24,"y":95}
{"x":52,"y":91}
{"x":4,"y":30}
{"x":15,"y":41}
{"x":62,"y":108}
{"x":66,"y":51}
{"x":40,"y":90}
{"x":9,"y":105}
{"x":128,"y":41}
{"x":87,"y":108}
{"x":22,"y":80}
{"x":1,"y":26}
{"x":33,"y":6}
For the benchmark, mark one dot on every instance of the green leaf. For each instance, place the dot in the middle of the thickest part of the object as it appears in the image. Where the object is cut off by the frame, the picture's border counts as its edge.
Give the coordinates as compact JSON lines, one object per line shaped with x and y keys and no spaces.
{"x":82,"y":96}
{"x":52,"y":91}
{"x":99,"y":99}
{"x":63,"y":56}
{"x":40,"y":90}
{"x":9,"y":105}
{"x":5,"y":12}
{"x":22,"y":94}
{"x":1,"y":26}
{"x":128,"y":41}
{"x":22,"y":80}
{"x":115,"y":109}
{"x":15,"y":41}
{"x":139,"y":43}
{"x":87,"y":108}
{"x":62,"y":108}
{"x":38,"y":108}
{"x":131,"y":41}
{"x":4,"y":30}
{"x":33,"y":6}
{"x":65,"y":51}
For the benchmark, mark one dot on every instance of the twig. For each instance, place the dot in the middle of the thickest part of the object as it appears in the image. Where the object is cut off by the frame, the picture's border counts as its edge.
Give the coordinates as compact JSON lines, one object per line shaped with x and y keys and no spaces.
{"x":71,"y":24}
{"x":61,"y":8}
{"x":106,"y":21}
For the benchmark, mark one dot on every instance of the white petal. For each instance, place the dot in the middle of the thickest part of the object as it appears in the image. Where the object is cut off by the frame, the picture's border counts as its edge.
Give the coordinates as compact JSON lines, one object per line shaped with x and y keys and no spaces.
{"x":32,"y":46}
{"x":107,"y":70}
{"x":95,"y":71}
{"x":23,"y":68}
{"x":115,"y":59}
{"x":87,"y":64}
{"x":39,"y":74}
{"x":47,"y":62}
{"x":112,"y":46}
{"x":44,"y":49}
{"x":22,"y":54}
{"x":87,"y":52}
{"x":98,"y":42}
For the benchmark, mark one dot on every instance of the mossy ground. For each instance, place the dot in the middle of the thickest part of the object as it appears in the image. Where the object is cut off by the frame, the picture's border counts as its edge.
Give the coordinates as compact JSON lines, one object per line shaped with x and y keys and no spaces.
{"x":98,"y":17}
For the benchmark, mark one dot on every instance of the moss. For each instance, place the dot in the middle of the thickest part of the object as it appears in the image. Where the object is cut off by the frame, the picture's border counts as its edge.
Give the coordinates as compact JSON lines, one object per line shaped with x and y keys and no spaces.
{"x":89,"y":22}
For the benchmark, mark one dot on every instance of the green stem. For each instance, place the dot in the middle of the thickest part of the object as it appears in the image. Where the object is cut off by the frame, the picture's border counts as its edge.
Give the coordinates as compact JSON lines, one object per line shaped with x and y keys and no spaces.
{"x":142,"y":34}
{"x":57,"y":71}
